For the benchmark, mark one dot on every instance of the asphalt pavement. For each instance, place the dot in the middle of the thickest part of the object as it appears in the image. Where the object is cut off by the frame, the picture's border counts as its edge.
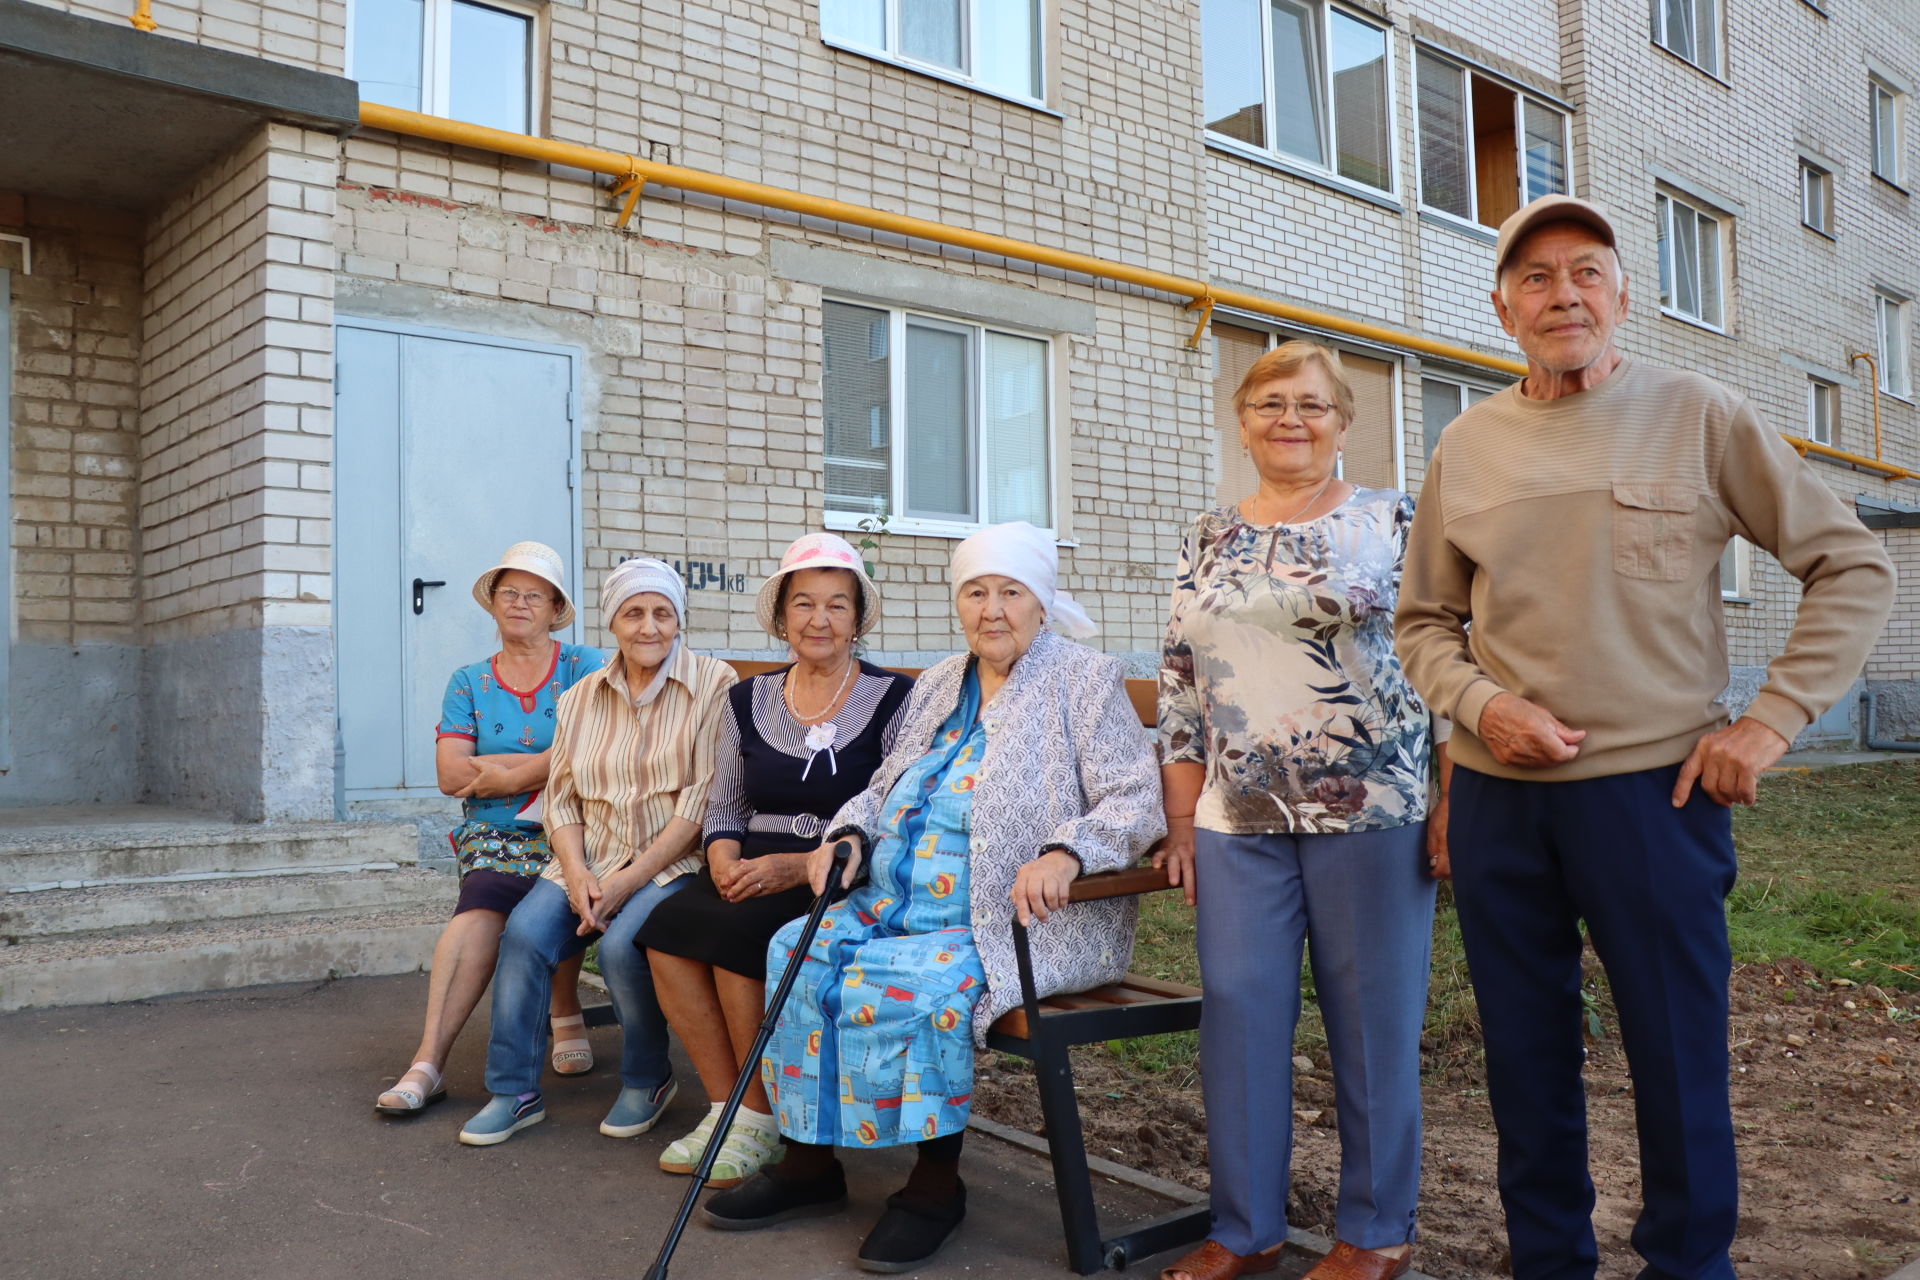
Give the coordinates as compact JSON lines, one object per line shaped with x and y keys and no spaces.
{"x":233,"y":1135}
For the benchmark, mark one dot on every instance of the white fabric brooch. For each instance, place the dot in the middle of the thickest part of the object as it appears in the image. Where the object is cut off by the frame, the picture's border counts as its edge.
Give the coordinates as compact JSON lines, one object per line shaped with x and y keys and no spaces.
{"x":820,"y":738}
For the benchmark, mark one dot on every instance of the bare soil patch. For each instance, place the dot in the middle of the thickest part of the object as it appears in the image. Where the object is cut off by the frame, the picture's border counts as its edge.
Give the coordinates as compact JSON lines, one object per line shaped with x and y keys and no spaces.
{"x":1826,"y":1103}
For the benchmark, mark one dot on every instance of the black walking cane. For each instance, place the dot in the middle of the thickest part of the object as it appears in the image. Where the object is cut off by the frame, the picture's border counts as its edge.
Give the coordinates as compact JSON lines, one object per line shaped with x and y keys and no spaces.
{"x":842,"y":850}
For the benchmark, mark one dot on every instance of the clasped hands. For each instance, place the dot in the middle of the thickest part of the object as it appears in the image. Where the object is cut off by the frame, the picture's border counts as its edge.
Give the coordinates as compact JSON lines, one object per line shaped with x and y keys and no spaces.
{"x":1726,"y":763}
{"x":738,"y":879}
{"x":1040,"y":888}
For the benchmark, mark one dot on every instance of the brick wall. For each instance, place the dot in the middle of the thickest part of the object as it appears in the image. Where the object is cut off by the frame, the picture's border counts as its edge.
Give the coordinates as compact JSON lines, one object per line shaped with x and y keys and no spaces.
{"x":304,"y":33}
{"x":236,"y":393}
{"x":76,"y":323}
{"x":704,"y":366}
{"x":1897,"y":656}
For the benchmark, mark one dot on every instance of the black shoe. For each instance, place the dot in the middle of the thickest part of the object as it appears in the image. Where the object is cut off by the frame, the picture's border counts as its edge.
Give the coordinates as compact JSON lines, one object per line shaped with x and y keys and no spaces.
{"x":910,"y":1232}
{"x":767,"y":1198}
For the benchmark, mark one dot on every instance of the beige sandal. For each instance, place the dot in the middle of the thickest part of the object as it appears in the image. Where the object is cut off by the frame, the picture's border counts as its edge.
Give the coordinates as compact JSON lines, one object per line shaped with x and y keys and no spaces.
{"x":416,"y":1090}
{"x":572,"y":1056}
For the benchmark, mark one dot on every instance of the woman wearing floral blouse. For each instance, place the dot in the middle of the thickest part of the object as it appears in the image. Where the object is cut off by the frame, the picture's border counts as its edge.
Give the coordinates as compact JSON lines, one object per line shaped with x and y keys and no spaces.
{"x":1295,"y":762}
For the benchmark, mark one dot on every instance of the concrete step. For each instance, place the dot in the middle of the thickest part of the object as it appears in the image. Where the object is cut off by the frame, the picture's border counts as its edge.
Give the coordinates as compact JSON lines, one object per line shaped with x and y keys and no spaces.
{"x":107,"y":853}
{"x":117,"y":909}
{"x":139,"y":964}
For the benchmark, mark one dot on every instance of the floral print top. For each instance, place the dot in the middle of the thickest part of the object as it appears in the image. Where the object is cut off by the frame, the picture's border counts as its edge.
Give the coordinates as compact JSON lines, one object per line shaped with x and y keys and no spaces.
{"x":1278,"y":672}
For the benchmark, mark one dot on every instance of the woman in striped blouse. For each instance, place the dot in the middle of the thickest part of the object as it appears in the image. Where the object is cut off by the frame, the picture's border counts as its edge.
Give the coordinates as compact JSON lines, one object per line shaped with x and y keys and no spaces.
{"x":795,"y":745}
{"x":632,"y":762}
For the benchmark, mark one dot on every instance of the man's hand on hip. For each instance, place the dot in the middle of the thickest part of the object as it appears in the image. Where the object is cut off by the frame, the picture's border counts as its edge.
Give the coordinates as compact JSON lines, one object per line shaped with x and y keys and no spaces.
{"x":1526,"y":735}
{"x":1728,"y":763}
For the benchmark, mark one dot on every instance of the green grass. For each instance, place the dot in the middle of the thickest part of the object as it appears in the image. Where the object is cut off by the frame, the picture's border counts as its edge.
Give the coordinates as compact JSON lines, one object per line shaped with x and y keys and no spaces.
{"x":1829,"y":875}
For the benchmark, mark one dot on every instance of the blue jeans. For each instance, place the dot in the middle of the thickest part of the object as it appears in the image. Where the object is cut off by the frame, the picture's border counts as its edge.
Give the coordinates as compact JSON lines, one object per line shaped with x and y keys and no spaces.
{"x":539,"y":935}
{"x":1364,"y":902}
{"x":1531,"y":861}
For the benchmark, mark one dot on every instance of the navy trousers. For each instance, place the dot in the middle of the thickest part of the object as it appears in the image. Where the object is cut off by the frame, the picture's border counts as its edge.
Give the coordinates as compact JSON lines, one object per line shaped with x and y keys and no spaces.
{"x":1531,"y":860}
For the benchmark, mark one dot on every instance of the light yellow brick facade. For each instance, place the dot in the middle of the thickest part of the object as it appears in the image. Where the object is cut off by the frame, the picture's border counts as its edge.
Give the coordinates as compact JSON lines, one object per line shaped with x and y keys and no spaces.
{"x":173,"y":375}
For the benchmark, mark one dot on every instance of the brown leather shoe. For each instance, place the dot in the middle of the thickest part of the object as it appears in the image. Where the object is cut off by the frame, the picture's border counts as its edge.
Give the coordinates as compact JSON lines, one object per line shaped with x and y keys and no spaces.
{"x":1214,"y":1261}
{"x":1346,"y":1262}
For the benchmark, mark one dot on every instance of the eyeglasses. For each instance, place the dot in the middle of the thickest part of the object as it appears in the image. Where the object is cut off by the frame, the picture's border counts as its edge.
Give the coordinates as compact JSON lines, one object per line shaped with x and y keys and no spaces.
{"x":1309,"y":410}
{"x":532,"y":599}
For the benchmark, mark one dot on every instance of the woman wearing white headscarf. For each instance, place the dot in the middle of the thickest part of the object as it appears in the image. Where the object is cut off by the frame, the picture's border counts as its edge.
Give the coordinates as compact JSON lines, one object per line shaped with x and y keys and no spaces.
{"x":633,"y":758}
{"x":1019,"y":765}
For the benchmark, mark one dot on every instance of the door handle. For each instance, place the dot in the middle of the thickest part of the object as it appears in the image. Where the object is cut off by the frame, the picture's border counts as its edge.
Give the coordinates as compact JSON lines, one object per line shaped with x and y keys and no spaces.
{"x":420,"y":586}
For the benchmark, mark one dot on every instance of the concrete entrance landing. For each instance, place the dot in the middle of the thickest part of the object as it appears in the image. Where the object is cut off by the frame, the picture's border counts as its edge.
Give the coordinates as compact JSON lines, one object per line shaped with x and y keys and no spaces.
{"x":107,"y":904}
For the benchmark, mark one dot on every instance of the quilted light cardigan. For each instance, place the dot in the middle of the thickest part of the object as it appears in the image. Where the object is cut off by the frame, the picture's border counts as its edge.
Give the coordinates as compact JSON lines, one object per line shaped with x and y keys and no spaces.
{"x":1068,"y":764}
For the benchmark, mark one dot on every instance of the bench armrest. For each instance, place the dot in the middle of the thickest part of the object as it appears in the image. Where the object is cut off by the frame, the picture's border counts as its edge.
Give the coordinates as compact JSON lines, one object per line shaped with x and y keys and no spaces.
{"x":1119,"y":884}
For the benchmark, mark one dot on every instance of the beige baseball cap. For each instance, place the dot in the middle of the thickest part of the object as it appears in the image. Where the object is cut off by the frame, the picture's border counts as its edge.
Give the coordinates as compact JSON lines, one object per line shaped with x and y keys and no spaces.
{"x":1544,"y":210}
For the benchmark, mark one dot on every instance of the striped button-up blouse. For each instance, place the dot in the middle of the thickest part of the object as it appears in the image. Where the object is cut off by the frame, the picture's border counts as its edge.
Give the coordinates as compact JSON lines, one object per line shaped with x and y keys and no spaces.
{"x":624,"y":770}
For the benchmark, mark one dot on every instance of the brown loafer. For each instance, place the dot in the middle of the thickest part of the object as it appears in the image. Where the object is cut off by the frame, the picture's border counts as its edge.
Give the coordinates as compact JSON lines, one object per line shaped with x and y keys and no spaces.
{"x":1346,"y":1262}
{"x":1214,"y":1261}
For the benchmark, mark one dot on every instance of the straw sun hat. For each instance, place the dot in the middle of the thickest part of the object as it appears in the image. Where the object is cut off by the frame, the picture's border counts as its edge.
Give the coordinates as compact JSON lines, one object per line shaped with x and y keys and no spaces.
{"x":538,"y":559}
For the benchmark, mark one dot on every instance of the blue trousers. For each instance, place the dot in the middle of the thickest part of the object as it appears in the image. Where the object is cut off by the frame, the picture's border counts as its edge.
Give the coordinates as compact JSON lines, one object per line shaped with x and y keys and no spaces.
{"x":1364,"y":902}
{"x":539,"y":935}
{"x":1530,"y":861}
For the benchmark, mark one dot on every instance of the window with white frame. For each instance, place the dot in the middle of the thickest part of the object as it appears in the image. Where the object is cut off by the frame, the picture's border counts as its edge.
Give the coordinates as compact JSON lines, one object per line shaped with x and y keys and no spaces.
{"x":1441,"y":401}
{"x":1887,"y":109}
{"x":1690,"y":29}
{"x":1303,"y":80}
{"x":1816,"y":197}
{"x":452,"y":58}
{"x":1822,"y":410}
{"x":995,"y":44}
{"x":1736,"y":570}
{"x":1485,"y":148}
{"x":940,"y":424}
{"x":1893,"y":327}
{"x":1691,"y":265}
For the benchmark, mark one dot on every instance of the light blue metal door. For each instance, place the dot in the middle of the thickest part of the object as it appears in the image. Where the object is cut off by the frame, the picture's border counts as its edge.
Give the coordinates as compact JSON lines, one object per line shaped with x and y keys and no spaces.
{"x":447,"y":450}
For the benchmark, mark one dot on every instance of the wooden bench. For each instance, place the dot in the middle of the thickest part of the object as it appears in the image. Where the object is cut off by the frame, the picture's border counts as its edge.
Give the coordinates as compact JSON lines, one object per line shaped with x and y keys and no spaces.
{"x":1044,"y":1031}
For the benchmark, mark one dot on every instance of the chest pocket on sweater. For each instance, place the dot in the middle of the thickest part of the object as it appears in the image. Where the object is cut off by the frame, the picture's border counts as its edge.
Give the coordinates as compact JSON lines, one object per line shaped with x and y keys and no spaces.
{"x":1653,"y":530}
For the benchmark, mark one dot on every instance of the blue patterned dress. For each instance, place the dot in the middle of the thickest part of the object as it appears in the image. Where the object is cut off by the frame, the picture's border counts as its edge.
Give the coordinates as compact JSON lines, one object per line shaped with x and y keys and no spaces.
{"x":875,"y":1045}
{"x":500,"y":720}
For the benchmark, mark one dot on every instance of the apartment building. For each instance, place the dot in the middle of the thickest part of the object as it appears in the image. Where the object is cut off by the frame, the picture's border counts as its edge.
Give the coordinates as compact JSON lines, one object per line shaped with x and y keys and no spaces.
{"x":283,"y":382}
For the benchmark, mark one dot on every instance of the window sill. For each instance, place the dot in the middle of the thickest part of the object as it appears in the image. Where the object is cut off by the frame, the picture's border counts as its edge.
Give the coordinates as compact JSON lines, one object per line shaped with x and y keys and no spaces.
{"x":1694,"y":321}
{"x":1885,"y":181}
{"x":1459,"y":226}
{"x":1745,"y":602}
{"x":1814,"y":7}
{"x":1685,"y":61}
{"x":1828,"y":236}
{"x":947,"y":77}
{"x":847,"y":522}
{"x":1333,"y":182}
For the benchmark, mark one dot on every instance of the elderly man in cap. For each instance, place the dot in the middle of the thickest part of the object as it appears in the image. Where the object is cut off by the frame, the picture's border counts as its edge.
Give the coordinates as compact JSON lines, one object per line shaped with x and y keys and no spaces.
{"x":1577,"y":521}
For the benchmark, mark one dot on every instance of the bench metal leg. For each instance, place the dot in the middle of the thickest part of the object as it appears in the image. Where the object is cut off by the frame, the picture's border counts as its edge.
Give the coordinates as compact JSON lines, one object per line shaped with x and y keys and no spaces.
{"x":1053,"y":1070}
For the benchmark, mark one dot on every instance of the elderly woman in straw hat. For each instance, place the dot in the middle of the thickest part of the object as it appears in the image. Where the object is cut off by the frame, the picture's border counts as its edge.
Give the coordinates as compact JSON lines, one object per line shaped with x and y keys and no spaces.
{"x":795,"y":745}
{"x":493,"y":751}
{"x":633,"y":760}
{"x":1019,"y":765}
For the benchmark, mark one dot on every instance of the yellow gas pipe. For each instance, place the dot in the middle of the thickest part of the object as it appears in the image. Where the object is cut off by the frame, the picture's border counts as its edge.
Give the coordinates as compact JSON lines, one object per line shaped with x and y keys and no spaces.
{"x":633,"y":174}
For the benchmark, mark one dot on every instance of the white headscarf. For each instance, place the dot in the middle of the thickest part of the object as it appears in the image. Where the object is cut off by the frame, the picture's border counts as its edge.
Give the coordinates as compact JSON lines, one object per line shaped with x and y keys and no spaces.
{"x":1027,"y":555}
{"x":637,"y":577}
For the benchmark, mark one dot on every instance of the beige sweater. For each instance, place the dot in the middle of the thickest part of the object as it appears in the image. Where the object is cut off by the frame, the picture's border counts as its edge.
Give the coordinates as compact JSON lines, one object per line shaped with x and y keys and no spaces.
{"x":1582,"y":539}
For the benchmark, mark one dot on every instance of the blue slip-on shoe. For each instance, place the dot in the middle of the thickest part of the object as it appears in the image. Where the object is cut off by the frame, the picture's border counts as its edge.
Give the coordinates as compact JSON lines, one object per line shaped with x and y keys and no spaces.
{"x":637,"y":1110}
{"x":503,"y":1117}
